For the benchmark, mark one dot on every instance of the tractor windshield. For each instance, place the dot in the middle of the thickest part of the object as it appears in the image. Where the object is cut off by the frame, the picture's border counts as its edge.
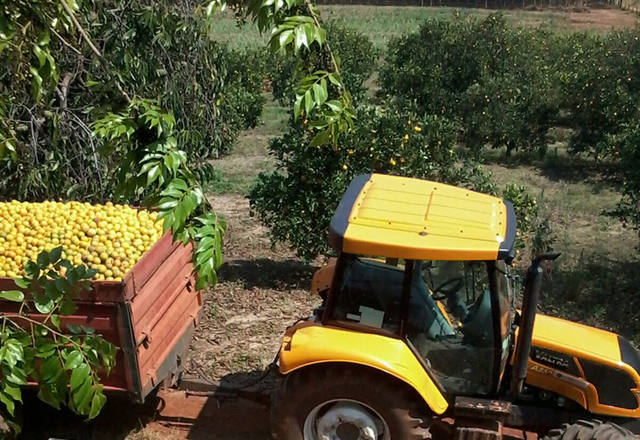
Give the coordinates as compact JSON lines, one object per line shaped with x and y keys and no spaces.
{"x":451,"y":323}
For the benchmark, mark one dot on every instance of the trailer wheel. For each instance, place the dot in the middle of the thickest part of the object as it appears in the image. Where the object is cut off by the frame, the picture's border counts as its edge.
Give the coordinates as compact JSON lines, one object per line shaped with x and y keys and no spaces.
{"x":345,"y":403}
{"x":590,"y":430}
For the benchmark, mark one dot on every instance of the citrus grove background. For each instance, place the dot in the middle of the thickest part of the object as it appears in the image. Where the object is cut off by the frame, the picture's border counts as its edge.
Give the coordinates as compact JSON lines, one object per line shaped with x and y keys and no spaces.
{"x":540,"y":107}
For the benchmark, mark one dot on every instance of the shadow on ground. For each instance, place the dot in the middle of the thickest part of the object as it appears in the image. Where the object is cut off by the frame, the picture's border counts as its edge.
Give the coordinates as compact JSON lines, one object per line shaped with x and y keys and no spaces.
{"x":118,"y":418}
{"x":208,"y":413}
{"x":229,"y":411}
{"x":268,"y":274}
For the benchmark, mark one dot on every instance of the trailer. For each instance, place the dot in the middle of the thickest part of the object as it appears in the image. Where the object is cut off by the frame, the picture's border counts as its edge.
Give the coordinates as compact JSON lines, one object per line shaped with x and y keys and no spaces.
{"x":149,"y":316}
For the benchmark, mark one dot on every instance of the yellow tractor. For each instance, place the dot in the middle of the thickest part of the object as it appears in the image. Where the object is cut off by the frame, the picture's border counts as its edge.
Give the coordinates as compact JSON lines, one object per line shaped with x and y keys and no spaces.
{"x":420,"y":336}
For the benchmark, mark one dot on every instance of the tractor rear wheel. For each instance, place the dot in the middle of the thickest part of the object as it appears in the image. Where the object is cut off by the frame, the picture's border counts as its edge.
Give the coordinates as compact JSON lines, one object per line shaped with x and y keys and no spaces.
{"x":345,"y":403}
{"x":590,"y":430}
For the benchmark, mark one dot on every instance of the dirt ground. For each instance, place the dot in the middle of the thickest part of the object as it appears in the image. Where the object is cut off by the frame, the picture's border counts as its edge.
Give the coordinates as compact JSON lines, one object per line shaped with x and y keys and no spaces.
{"x":602,"y":19}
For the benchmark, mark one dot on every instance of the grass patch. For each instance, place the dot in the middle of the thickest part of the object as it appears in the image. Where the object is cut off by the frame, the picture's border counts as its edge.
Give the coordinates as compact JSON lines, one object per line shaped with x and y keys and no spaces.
{"x":595,"y":279}
{"x":236,"y":172}
{"x":221,"y":183}
{"x":382,"y":23}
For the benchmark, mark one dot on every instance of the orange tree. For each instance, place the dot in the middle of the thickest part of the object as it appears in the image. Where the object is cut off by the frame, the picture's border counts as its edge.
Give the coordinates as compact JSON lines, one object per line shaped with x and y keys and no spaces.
{"x":493,"y":79}
{"x":142,"y":145}
{"x":297,"y":199}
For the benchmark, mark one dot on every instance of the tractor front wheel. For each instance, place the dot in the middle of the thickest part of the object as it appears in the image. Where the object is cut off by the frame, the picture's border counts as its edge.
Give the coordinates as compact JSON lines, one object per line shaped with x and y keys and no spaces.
{"x":343,"y":403}
{"x":590,"y":430}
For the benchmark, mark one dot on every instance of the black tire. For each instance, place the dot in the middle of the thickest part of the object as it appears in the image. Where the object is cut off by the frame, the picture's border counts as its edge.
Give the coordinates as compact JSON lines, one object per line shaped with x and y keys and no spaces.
{"x":590,"y":430}
{"x":394,"y":402}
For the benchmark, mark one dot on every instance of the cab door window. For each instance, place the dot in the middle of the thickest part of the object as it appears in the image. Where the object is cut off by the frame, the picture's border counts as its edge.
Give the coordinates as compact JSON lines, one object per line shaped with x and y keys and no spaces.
{"x":451,"y":326}
{"x":369,"y":293}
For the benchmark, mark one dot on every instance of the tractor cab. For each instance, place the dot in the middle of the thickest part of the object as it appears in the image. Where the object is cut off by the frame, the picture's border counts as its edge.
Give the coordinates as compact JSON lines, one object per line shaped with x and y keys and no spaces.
{"x":447,"y":320}
{"x":414,"y":264}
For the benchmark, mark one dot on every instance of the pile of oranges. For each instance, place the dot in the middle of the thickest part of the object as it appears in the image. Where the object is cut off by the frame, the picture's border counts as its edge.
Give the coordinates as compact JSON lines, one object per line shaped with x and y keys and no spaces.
{"x":109,"y":238}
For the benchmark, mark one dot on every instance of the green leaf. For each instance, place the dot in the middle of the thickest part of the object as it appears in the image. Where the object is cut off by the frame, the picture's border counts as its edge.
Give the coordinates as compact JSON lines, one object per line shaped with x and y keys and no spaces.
{"x":45,"y":393}
{"x":55,"y":254}
{"x":153,"y":174}
{"x":321,"y":138}
{"x":55,"y":320}
{"x":45,"y":350}
{"x":201,"y":283}
{"x":43,"y":260}
{"x":14,"y":375}
{"x":301,"y":38}
{"x":97,"y":402}
{"x":43,"y":38}
{"x":67,"y":307}
{"x":284,"y":38}
{"x":22,"y":283}
{"x":12,"y":295}
{"x":62,"y":285}
{"x":308,"y":102}
{"x":14,"y":352}
{"x":31,"y":269}
{"x":297,"y":106}
{"x":40,"y":54}
{"x":50,"y":368}
{"x":79,"y":376}
{"x":81,"y":395}
{"x":8,"y":403}
{"x":74,"y":359}
{"x":43,"y":304}
{"x":321,"y":35}
{"x":36,"y":83}
{"x":320,"y":92}
{"x":335,"y":80}
{"x":12,"y":391}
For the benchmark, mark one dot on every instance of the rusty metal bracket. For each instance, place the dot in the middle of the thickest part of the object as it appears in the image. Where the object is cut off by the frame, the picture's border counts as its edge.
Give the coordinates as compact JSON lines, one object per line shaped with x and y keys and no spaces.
{"x":480,"y":419}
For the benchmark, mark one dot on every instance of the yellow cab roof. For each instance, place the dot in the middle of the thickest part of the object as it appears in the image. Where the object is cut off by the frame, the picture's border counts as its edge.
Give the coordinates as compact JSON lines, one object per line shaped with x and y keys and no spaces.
{"x":402,"y":217}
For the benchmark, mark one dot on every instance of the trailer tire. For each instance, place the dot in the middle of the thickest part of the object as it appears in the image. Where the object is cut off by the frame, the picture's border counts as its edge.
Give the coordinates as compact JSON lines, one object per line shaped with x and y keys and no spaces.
{"x":328,"y":399}
{"x":590,"y":430}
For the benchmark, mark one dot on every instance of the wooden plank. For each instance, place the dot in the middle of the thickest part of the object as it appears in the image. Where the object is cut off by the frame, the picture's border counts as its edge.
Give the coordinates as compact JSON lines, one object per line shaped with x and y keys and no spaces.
{"x":176,"y":266}
{"x":162,"y":302}
{"x":102,"y":318}
{"x":164,"y":329}
{"x":144,"y":269}
{"x":101,"y":291}
{"x":184,"y":310}
{"x":152,"y":358}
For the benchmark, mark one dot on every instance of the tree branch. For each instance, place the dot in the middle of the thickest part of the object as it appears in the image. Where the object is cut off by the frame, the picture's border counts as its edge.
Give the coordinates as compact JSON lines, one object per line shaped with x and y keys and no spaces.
{"x":94,"y":49}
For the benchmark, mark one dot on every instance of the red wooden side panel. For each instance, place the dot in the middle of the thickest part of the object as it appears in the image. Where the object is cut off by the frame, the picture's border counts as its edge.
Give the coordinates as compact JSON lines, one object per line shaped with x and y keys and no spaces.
{"x":144,"y":269}
{"x":151,"y":300}
{"x":101,"y":291}
{"x":101,"y":317}
{"x":144,"y":316}
{"x":163,"y":307}
{"x":177,"y":320}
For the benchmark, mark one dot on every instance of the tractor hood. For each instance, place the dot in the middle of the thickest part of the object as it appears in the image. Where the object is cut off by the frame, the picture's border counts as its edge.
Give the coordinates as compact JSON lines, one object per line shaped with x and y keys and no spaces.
{"x":595,"y":368}
{"x":575,"y":339}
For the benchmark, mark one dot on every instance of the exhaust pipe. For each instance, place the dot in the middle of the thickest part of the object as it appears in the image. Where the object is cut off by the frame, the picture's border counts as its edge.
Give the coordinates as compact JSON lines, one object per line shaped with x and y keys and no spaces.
{"x":533,"y":281}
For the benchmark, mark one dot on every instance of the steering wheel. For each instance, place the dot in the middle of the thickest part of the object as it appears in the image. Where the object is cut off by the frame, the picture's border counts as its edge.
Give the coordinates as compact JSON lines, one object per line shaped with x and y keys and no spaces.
{"x":447,"y":289}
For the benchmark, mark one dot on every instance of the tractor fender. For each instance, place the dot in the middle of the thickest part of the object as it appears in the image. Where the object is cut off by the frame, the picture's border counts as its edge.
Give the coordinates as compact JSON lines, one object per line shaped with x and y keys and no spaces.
{"x":313,"y":344}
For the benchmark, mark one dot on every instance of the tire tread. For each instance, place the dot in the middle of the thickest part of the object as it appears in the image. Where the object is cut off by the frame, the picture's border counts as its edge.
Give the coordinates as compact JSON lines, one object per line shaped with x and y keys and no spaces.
{"x":590,"y":430}
{"x":403,"y":404}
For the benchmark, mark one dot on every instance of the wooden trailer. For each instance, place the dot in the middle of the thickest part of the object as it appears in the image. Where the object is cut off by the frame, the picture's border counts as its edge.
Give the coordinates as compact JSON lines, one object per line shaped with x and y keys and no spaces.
{"x":149,"y":316}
